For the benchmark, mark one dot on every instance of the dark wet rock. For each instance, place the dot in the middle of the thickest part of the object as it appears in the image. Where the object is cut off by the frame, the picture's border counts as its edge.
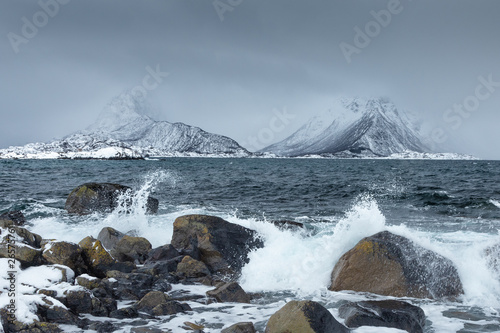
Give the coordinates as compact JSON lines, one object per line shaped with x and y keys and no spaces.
{"x":67,"y":254}
{"x":19,"y":327}
{"x":221,"y":245}
{"x":387,"y":313}
{"x":304,"y":316}
{"x":12,"y":218}
{"x":133,"y":249}
{"x":164,"y":269}
{"x":125,"y":313}
{"x":109,"y":237}
{"x":393,"y":265}
{"x":151,"y":300}
{"x":229,"y":292}
{"x":132,"y":286}
{"x":170,"y":308}
{"x":79,"y":301}
{"x":101,"y":292}
{"x":246,"y":327}
{"x":162,"y":253}
{"x":287,"y":225}
{"x":103,"y":327}
{"x":82,"y":301}
{"x":56,"y":314}
{"x":191,"y":268}
{"x":101,"y":197}
{"x":102,"y":307}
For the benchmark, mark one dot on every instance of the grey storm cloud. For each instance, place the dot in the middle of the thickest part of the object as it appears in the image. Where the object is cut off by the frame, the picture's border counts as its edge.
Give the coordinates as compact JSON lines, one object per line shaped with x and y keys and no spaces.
{"x":233,"y":65}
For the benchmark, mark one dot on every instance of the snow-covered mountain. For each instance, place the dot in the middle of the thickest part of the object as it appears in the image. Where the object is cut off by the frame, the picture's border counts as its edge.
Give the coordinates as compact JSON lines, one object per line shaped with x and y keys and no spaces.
{"x":123,"y":130}
{"x":354,"y":127}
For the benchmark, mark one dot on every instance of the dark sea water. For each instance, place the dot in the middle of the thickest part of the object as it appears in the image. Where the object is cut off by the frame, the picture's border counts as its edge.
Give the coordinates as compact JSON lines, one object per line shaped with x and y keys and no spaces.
{"x":451,"y":207}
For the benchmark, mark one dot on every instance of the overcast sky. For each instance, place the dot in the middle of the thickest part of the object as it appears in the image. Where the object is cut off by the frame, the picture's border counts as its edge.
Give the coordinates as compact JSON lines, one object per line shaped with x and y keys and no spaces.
{"x":234,"y":64}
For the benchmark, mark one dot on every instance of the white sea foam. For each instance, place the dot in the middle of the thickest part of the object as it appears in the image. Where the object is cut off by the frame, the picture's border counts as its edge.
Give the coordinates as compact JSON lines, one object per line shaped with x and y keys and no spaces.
{"x":301,"y":262}
{"x":495,"y":202}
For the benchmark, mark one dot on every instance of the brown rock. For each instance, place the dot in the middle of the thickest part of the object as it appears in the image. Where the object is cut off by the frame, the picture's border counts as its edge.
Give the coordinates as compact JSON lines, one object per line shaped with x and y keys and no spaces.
{"x":229,"y":292}
{"x":191,"y":268}
{"x":151,"y":300}
{"x":304,"y":317}
{"x":392,"y":265}
{"x":133,"y":249}
{"x":67,"y":254}
{"x":97,"y":259}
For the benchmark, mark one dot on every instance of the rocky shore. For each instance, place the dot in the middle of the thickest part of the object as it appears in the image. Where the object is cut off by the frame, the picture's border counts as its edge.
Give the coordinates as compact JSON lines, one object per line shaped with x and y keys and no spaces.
{"x":119,"y":280}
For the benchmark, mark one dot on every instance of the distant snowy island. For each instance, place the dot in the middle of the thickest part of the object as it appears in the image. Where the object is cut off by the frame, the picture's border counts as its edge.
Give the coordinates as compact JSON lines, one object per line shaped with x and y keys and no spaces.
{"x":353,"y":128}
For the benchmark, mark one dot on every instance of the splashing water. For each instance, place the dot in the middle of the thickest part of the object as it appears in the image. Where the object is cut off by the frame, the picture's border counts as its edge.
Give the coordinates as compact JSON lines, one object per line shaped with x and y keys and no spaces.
{"x":302,"y":262}
{"x":129,"y":216}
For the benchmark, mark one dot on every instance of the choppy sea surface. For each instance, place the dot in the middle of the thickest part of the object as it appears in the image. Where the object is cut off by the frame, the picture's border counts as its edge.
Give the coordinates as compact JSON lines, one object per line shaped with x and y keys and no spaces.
{"x":451,"y":207}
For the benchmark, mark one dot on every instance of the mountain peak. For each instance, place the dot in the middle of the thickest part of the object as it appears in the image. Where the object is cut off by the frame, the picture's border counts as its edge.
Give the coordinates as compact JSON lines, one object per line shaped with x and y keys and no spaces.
{"x":369,"y":126}
{"x":122,"y":110}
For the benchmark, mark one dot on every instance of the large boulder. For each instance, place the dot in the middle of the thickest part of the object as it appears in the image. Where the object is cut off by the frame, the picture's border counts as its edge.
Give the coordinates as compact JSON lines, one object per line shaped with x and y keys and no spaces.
{"x":25,"y":254}
{"x":221,"y":245}
{"x":304,"y":317}
{"x":158,"y":304}
{"x":101,"y":197}
{"x":229,"y":292}
{"x":109,"y":237}
{"x":98,"y":260}
{"x":67,"y":254}
{"x":387,"y":313}
{"x":133,"y":249}
{"x":12,"y":218}
{"x":19,"y":243}
{"x":393,"y":265}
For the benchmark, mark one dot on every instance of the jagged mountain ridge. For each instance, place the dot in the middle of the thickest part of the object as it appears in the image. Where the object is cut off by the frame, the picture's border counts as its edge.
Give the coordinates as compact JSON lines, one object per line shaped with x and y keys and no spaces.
{"x":123,"y":120}
{"x":123,"y":130}
{"x":366,"y":127}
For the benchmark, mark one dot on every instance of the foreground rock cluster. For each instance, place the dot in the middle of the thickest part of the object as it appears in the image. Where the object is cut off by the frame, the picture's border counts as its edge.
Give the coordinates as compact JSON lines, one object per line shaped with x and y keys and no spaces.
{"x":117,"y":267}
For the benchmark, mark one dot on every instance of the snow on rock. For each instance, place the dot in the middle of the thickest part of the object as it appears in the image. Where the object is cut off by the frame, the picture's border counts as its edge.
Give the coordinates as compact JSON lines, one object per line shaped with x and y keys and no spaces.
{"x":23,"y":288}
